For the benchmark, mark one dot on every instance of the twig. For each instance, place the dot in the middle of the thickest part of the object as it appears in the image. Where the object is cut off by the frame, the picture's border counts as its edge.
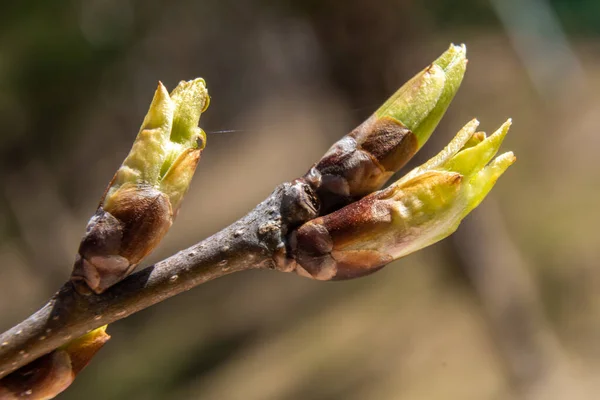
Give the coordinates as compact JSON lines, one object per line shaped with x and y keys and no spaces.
{"x":255,"y":241}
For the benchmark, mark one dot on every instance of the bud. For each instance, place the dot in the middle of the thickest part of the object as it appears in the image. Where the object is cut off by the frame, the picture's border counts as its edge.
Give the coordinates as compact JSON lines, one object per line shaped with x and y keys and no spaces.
{"x":145,"y":194}
{"x":49,"y":375}
{"x":362,"y":161}
{"x":420,"y":209}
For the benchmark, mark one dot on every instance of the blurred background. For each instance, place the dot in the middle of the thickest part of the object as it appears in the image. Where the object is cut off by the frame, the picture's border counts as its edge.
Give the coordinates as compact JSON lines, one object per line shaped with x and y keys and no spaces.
{"x":507,"y":308}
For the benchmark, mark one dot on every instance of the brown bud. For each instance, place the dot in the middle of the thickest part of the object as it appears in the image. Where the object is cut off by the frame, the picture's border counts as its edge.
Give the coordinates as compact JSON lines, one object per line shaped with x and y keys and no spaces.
{"x":323,"y":246}
{"x":41,"y":379}
{"x":362,"y":161}
{"x":145,"y":194}
{"x":49,"y":375}
{"x":119,"y":236}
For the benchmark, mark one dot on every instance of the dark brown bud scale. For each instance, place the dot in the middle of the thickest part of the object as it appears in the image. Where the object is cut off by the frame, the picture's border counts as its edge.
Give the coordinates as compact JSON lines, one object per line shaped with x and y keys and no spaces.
{"x":47,"y":376}
{"x":42,"y":378}
{"x":133,"y":221}
{"x":300,"y":203}
{"x":388,"y":141}
{"x":316,"y":244}
{"x":362,"y":161}
{"x":358,"y":263}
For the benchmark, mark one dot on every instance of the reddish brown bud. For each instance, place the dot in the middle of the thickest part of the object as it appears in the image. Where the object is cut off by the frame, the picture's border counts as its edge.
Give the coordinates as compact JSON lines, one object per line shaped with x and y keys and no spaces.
{"x":120,"y":235}
{"x":41,"y":379}
{"x":49,"y":375}
{"x":362,"y":161}
{"x":324,"y":246}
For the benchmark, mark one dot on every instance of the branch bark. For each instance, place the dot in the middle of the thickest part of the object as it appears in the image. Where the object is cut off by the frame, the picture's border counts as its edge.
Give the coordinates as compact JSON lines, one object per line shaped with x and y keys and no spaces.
{"x":254,"y":241}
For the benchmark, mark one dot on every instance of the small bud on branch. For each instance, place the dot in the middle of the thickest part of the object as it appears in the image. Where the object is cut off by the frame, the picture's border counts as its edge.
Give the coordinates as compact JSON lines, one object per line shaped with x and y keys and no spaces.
{"x":51,"y":374}
{"x":145,"y":194}
{"x":362,"y":161}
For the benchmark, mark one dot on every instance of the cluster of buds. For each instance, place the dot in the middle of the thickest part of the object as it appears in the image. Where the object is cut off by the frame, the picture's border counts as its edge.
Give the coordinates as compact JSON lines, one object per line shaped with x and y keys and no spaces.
{"x":140,"y":203}
{"x":51,"y":374}
{"x":423,"y":207}
{"x":360,"y":230}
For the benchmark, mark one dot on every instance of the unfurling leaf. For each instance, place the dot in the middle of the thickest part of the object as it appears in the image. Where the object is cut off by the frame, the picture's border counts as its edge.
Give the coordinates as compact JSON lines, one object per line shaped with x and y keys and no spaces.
{"x":51,"y":374}
{"x":423,"y":207}
{"x":362,"y":161}
{"x":145,"y":194}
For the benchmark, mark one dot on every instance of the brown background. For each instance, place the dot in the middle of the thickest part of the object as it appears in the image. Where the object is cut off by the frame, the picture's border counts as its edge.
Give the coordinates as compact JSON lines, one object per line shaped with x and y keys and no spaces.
{"x":507,"y":308}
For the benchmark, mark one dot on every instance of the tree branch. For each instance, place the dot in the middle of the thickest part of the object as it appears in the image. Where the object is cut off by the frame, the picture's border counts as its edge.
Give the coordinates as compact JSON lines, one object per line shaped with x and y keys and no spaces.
{"x":333,"y":223}
{"x":254,"y":241}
